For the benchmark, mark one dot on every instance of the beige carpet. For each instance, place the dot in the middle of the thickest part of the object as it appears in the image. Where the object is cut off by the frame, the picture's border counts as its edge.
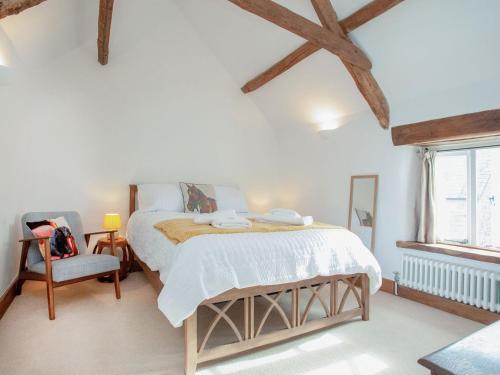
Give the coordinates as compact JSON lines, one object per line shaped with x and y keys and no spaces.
{"x":96,"y":334}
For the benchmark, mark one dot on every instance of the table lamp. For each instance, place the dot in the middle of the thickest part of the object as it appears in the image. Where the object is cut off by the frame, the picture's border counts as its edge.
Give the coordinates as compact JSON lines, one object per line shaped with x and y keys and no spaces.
{"x":112,"y":222}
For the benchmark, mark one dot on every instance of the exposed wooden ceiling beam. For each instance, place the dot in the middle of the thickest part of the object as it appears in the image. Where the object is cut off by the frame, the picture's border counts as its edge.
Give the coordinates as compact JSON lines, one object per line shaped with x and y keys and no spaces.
{"x":105,"y":17}
{"x":365,"y":81}
{"x":11,"y":7}
{"x":301,"y":26}
{"x":367,"y":13}
{"x":358,"y":18}
{"x":306,"y":50}
{"x":463,"y":127}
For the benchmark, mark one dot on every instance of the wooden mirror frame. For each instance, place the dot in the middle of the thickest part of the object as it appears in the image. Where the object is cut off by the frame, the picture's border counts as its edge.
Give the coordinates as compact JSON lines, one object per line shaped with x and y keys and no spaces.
{"x":374,"y":210}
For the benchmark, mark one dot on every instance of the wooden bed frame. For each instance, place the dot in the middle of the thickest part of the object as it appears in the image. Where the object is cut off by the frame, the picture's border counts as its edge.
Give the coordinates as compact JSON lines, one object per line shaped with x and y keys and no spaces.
{"x":249,"y":335}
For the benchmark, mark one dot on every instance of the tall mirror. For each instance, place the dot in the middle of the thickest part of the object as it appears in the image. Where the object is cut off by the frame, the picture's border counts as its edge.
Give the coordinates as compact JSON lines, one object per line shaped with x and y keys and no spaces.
{"x":363,"y":208}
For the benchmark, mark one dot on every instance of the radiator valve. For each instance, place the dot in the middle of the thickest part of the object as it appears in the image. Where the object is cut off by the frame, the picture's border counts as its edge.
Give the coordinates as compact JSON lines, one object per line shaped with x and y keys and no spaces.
{"x":396,"y":283}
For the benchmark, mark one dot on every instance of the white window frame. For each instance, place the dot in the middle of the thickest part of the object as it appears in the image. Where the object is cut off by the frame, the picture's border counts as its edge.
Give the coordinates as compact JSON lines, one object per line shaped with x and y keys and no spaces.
{"x":466,"y":153}
{"x":470,"y":153}
{"x":471,"y":197}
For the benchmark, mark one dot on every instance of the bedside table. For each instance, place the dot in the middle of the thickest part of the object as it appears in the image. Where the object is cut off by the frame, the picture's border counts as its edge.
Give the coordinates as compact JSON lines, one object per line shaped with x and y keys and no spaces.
{"x":127,"y":257}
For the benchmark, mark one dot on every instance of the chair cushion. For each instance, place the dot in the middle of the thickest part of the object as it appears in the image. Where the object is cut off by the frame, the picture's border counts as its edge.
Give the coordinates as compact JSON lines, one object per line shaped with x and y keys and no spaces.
{"x":78,"y":266}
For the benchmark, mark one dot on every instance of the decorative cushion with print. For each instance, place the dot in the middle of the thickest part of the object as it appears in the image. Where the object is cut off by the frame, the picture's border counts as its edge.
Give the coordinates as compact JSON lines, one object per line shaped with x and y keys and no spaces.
{"x":198,"y":198}
{"x":62,"y":242}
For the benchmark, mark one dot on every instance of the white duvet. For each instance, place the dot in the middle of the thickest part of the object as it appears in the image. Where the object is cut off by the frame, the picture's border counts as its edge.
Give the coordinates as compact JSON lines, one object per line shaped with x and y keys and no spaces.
{"x":208,"y":265}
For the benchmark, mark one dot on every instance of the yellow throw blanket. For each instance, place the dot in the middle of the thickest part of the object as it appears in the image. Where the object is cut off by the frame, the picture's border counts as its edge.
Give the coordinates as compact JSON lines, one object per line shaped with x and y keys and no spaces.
{"x":180,"y":230}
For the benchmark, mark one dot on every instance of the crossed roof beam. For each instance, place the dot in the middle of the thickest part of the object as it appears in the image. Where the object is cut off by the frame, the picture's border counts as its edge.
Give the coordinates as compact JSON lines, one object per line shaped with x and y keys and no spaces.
{"x":12,"y":7}
{"x":332,"y":36}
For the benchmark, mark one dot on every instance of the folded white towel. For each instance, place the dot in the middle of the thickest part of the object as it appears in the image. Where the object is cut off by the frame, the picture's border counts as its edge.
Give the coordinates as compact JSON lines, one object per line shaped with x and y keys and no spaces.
{"x":231,"y":222}
{"x":208,"y":218}
{"x":276,"y":219}
{"x":284,"y":212}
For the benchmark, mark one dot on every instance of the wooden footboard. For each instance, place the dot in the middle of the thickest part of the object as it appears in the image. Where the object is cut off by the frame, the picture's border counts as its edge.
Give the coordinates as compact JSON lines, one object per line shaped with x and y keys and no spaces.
{"x":249,"y":335}
{"x":296,"y":317}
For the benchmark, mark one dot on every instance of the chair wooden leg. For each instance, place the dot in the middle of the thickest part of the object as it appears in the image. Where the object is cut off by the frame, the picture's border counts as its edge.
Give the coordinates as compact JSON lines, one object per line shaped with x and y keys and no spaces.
{"x":116,"y":278}
{"x":50,"y":281}
{"x":22,"y":267}
{"x":116,"y":273}
{"x":19,"y":287}
{"x":50,"y":300}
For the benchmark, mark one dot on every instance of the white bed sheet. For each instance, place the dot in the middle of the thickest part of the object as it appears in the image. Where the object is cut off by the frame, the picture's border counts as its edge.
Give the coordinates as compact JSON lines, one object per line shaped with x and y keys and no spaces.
{"x":150,"y":245}
{"x":205,"y":266}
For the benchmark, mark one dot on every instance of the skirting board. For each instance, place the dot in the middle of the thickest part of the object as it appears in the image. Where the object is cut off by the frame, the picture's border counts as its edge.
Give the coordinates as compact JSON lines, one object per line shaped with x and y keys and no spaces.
{"x":444,"y":304}
{"x":387,"y":286}
{"x":7,"y":298}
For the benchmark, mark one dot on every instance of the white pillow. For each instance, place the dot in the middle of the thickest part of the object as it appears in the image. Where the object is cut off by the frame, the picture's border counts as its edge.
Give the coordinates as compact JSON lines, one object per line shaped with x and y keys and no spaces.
{"x":156,"y":197}
{"x":230,"y":198}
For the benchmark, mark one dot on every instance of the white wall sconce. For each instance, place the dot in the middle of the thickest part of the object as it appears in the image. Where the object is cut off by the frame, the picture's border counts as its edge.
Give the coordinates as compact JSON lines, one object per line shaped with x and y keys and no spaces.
{"x":327,"y":119}
{"x":328,"y":125}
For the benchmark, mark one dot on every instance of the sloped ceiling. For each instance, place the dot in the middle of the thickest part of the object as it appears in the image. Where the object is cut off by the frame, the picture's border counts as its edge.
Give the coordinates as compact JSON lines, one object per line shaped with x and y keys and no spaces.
{"x":28,"y":41}
{"x":418,"y":48}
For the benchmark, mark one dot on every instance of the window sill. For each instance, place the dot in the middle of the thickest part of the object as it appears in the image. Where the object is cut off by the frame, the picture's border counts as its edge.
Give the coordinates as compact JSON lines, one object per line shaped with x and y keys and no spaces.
{"x":481,"y":255}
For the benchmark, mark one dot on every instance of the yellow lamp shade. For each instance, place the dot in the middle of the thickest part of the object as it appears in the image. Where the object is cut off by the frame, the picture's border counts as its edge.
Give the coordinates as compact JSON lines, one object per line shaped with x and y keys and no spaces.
{"x":112,"y":222}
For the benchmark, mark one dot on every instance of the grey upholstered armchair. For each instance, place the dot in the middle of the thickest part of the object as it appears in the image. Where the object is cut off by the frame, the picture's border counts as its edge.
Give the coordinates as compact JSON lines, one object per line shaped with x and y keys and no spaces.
{"x":64,"y":271}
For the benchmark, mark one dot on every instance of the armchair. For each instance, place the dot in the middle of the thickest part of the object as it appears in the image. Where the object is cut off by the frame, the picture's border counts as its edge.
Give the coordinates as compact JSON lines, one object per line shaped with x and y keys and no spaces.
{"x":66,"y":271}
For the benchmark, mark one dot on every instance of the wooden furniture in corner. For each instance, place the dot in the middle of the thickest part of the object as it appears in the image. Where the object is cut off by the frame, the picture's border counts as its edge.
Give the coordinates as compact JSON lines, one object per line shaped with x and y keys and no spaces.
{"x":26,"y":274}
{"x":249,"y":329}
{"x":127,"y":257}
{"x":477,"y":354}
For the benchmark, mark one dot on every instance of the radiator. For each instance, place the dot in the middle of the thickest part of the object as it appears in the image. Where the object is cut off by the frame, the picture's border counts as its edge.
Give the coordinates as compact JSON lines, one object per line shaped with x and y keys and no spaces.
{"x":469,"y":285}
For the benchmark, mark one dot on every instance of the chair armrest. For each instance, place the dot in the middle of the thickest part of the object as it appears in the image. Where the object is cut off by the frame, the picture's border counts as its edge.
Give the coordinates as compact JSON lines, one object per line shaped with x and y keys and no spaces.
{"x":34,"y":239}
{"x":46,"y":251}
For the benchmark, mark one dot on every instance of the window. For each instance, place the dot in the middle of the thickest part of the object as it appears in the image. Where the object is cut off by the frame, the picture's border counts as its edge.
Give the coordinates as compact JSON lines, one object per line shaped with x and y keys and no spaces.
{"x":467,"y":186}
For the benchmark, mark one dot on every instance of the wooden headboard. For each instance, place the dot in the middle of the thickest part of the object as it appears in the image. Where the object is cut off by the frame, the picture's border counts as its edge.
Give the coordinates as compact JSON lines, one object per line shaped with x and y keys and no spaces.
{"x":133,"y":199}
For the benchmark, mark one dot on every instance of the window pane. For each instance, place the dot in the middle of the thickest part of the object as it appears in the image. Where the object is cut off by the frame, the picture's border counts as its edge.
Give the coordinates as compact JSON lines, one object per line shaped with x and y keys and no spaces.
{"x":488,"y":196}
{"x":451,"y":197}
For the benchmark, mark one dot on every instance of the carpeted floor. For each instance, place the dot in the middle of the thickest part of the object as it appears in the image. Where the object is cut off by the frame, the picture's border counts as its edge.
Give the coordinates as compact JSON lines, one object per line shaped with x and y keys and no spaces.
{"x":96,"y":334}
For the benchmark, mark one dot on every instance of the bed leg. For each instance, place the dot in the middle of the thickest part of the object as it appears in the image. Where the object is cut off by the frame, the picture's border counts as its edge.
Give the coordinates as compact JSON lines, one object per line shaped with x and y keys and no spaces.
{"x":191,"y":344}
{"x":365,"y":292}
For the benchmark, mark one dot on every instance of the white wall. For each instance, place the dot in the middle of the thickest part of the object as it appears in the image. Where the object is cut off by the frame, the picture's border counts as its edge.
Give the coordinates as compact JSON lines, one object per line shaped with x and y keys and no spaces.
{"x":327,"y":162}
{"x":75,"y":134}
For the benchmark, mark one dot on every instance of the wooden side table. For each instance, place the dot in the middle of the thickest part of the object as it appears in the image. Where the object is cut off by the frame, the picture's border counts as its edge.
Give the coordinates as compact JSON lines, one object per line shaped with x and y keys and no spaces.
{"x":127,"y":256}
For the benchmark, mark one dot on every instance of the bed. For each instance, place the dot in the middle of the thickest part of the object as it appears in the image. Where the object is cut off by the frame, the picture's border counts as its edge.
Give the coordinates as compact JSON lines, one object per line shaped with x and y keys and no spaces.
{"x":229,"y":273}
